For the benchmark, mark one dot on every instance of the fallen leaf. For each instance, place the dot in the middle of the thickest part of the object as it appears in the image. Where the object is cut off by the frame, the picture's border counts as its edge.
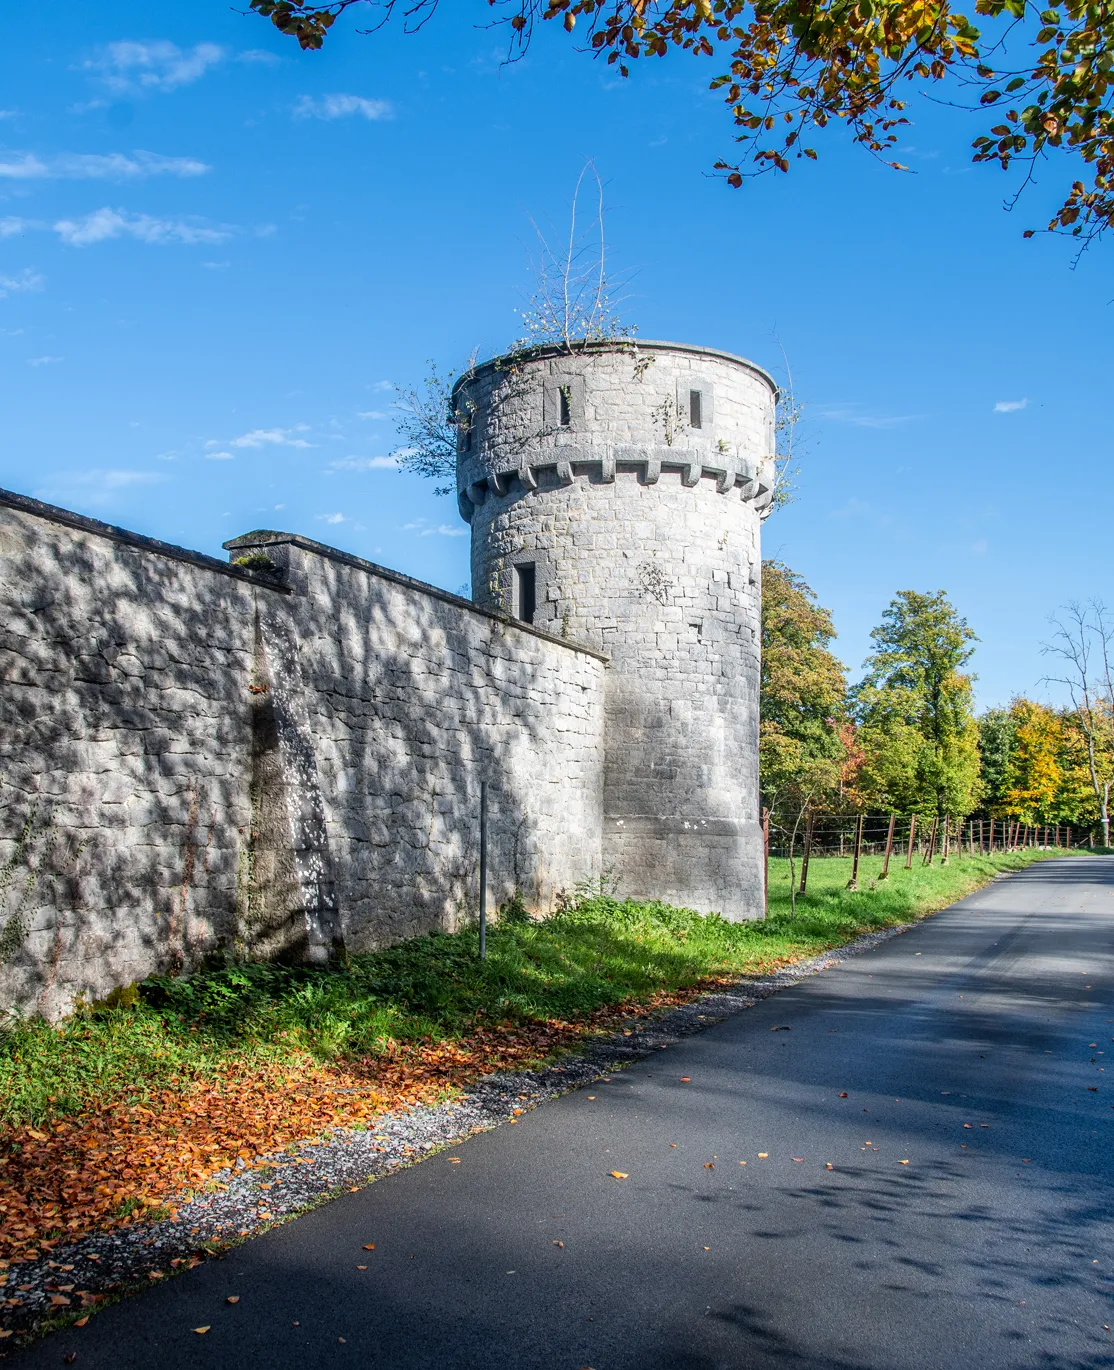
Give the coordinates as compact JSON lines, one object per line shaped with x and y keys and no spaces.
{"x":233,"y":1298}
{"x":454,"y":1160}
{"x":707,"y":1248}
{"x":830,"y":1166}
{"x":82,"y":1321}
{"x":59,"y":1301}
{"x":797,"y":1158}
{"x":619,"y":1174}
{"x":202,"y":1330}
{"x":709,"y":1165}
{"x":673,"y":1144}
{"x":341,"y":1340}
{"x":763,"y":1155}
{"x":686,"y":1079}
{"x":903,"y":1162}
{"x":558,"y":1243}
{"x":370,"y":1246}
{"x":966,"y":1124}
{"x":782,"y":1028}
{"x":591,"y":1098}
{"x":69,"y":1358}
{"x":361,"y":1267}
{"x":742,"y":1162}
{"x":843,"y":1094}
{"x":5,"y":1332}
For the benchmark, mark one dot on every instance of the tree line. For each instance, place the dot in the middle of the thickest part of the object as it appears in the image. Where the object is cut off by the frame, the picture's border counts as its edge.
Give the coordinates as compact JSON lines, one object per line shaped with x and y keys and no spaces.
{"x":906,"y":737}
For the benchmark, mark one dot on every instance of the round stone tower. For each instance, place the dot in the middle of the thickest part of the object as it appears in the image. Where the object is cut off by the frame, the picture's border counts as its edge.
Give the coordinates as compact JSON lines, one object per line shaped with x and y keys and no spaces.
{"x":616,"y":496}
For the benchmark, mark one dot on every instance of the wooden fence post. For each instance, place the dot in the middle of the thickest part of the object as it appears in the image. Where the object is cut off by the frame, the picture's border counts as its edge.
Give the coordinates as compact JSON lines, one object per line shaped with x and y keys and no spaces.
{"x":805,"y":855}
{"x":765,"y":862}
{"x":889,"y":848}
{"x":931,"y":842}
{"x":945,"y":848}
{"x":912,"y":831}
{"x":853,"y":883}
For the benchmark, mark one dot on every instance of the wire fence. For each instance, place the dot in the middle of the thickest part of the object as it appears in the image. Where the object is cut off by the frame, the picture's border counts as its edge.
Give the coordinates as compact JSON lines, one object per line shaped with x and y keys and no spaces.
{"x":907,"y":839}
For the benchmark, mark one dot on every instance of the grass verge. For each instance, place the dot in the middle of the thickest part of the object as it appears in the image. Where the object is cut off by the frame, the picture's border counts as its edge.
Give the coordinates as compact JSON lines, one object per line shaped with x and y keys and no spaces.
{"x":105,"y":1116}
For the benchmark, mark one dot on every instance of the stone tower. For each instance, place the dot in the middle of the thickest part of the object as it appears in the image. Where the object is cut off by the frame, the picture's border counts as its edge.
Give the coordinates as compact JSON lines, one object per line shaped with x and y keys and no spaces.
{"x":616,"y":496}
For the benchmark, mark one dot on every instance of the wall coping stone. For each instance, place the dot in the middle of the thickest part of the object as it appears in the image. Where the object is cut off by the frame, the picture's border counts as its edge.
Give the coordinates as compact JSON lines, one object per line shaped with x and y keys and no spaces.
{"x":530,"y":354}
{"x":266,"y":537}
{"x":137,"y":541}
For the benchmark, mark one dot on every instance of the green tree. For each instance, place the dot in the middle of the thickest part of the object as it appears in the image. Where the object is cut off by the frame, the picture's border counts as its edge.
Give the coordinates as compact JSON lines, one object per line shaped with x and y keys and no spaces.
{"x":789,"y":68}
{"x":803,"y":696}
{"x":997,"y":739}
{"x":915,"y":706}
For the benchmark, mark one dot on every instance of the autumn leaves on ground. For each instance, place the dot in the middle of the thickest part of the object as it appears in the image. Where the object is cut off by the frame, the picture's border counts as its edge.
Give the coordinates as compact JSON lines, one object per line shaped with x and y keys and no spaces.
{"x":114,"y":1116}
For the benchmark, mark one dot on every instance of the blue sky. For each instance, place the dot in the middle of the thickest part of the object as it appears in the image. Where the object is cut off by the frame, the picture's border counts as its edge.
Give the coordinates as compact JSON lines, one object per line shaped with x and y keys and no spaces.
{"x":218,"y":254}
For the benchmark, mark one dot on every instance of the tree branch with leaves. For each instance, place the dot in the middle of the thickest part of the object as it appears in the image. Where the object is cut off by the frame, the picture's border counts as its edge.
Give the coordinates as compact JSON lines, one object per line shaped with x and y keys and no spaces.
{"x":790,"y":69}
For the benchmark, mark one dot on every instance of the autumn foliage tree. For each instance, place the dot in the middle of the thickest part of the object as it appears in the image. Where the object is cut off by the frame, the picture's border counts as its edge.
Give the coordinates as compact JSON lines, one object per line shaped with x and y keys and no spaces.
{"x":789,"y":69}
{"x":1036,"y":765}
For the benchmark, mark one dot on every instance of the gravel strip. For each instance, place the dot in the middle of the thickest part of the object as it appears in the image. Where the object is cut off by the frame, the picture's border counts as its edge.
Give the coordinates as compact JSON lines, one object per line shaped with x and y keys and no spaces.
{"x":241,"y":1202}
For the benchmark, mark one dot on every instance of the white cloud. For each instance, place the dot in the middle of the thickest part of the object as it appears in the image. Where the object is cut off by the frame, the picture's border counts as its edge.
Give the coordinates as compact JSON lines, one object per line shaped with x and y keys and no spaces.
{"x":425,"y":530}
{"x":340,"y":106}
{"x":365,"y":464}
{"x":8,"y":113}
{"x":332,"y":518}
{"x":383,"y":385}
{"x":1010,"y":406}
{"x":132,"y":67}
{"x":373,"y":414}
{"x":111,"y":166}
{"x":103,"y":224}
{"x":44,"y":361}
{"x":220,"y":456}
{"x":27,"y":280}
{"x":273,"y":437}
{"x":851,"y":413}
{"x":10,"y":226}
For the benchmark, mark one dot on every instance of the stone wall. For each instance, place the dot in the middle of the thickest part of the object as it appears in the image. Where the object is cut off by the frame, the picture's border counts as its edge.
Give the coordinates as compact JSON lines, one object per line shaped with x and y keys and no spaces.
{"x":197,"y":759}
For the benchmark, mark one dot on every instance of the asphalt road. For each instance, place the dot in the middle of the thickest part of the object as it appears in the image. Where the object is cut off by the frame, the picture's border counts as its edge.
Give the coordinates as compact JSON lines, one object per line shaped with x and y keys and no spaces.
{"x":965,"y":1222}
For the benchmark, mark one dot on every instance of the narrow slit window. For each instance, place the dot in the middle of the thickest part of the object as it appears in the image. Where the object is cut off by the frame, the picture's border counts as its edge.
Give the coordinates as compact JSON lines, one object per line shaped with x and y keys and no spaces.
{"x":526,"y":591}
{"x":696,"y":409}
{"x":564,"y":407}
{"x":466,"y":432}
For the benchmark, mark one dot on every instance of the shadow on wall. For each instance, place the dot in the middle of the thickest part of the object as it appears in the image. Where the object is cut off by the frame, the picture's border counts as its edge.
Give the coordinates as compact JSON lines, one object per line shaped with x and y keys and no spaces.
{"x":199,"y":761}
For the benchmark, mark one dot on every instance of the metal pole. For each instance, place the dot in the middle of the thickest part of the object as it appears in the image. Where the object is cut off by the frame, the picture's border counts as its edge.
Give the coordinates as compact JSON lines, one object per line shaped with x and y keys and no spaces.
{"x":483,"y":870}
{"x":765,"y":862}
{"x":889,"y":848}
{"x":909,"y":853}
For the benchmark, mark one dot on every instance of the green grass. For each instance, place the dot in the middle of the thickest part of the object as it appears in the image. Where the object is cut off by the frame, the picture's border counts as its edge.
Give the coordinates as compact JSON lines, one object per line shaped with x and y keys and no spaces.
{"x":603,"y":952}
